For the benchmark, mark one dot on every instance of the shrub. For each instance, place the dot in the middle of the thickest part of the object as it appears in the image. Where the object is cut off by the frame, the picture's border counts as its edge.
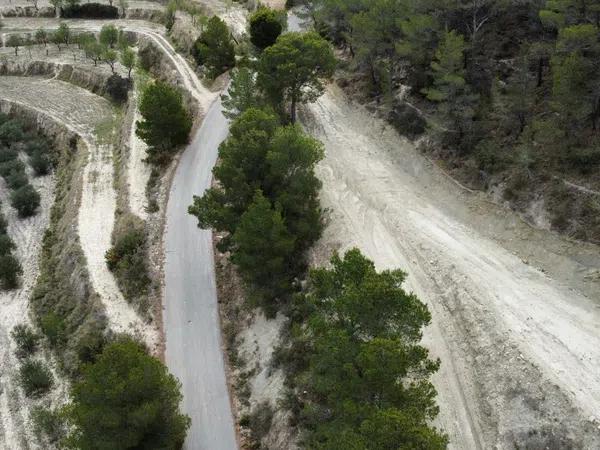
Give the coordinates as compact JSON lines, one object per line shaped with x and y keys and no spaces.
{"x":11,"y":132}
{"x":265,"y":27}
{"x":37,"y":145}
{"x":14,"y":165}
{"x":127,"y":259}
{"x":260,"y":421}
{"x":7,"y":154}
{"x":407,"y":121}
{"x":117,"y":88}
{"x":91,"y":11}
{"x":53,"y":327}
{"x":16,"y":180}
{"x":127,"y":244}
{"x":25,"y":200}
{"x":47,"y":423}
{"x":26,"y":340}
{"x":6,"y":244}
{"x":149,"y":57}
{"x":35,"y":378}
{"x":10,"y":269}
{"x":40,"y":163}
{"x":3,"y":224}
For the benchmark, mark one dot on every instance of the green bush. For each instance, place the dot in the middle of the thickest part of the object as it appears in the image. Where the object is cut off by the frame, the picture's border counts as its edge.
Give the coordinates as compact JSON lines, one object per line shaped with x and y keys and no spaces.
{"x":10,"y":270}
{"x":265,"y":27}
{"x":53,"y":327}
{"x":7,"y":154}
{"x":117,"y":88}
{"x":25,"y":200}
{"x":16,"y":180}
{"x":11,"y":131}
{"x":47,"y":423}
{"x":10,"y":166}
{"x":3,"y":224}
{"x":6,"y":244}
{"x":40,"y":163}
{"x":149,"y":57}
{"x":260,"y":421}
{"x":35,"y":378}
{"x":36,"y":145}
{"x":26,"y":340}
{"x":127,"y":259}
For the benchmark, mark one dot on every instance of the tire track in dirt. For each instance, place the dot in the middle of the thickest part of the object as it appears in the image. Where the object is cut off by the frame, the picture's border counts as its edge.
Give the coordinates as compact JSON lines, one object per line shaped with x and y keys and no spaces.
{"x":520,"y":349}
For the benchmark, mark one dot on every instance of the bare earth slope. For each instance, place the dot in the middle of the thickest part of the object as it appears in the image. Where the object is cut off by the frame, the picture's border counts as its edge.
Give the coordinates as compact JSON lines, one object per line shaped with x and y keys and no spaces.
{"x":516,"y":318}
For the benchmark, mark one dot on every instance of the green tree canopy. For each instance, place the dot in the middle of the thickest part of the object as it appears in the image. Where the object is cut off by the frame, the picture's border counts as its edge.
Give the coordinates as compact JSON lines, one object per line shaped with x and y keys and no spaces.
{"x":292,"y":69}
{"x":263,"y":248}
{"x":366,"y":378}
{"x":166,"y":124}
{"x":265,"y":27}
{"x":242,"y":93}
{"x":126,"y":399}
{"x":109,"y":36}
{"x":214,"y":48}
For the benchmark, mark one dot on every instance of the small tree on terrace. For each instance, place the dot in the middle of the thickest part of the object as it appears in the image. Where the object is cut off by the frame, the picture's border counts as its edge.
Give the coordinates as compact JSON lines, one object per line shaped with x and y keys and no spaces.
{"x":15,"y":41}
{"x":214,"y":48}
{"x":110,"y":57}
{"x":265,"y":27}
{"x":166,"y":124}
{"x":41,"y":37}
{"x":94,"y":50}
{"x":128,"y":60}
{"x":292,"y":69}
{"x":109,"y":35}
{"x":62,"y":35}
{"x":126,"y":399}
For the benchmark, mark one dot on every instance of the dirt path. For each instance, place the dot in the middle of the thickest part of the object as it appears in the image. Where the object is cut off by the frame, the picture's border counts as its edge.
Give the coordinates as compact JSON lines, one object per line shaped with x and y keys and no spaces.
{"x":82,"y":112}
{"x":516,"y":311}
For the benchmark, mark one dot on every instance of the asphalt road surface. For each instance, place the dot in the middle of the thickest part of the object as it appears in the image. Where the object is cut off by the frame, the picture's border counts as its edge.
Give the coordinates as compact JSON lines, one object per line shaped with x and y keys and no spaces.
{"x":191,"y":321}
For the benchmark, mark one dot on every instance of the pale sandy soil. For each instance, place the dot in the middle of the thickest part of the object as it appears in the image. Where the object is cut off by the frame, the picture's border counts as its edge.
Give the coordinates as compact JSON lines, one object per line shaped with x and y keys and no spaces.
{"x":27,"y":235}
{"x":138,"y":172}
{"x":515,"y":310}
{"x":82,"y":112}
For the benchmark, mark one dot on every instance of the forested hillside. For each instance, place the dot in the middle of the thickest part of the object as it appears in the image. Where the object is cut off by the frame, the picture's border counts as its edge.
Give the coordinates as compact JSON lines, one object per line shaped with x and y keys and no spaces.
{"x":510,"y":90}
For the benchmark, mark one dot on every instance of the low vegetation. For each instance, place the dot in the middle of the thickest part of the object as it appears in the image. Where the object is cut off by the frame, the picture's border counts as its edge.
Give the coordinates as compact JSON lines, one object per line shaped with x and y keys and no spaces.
{"x":127,"y":259}
{"x":26,"y":339}
{"x":35,"y":378}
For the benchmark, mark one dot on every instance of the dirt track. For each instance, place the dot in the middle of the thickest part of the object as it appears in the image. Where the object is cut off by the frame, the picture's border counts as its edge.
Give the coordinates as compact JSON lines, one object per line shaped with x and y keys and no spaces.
{"x":516,"y":311}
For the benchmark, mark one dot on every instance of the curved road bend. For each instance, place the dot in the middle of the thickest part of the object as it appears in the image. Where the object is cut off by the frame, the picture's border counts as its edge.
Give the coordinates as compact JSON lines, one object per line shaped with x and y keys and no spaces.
{"x":191,"y":319}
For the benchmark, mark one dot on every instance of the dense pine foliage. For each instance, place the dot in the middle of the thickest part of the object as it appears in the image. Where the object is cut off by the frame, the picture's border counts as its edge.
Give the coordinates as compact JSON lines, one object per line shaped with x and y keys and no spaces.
{"x":512,"y":89}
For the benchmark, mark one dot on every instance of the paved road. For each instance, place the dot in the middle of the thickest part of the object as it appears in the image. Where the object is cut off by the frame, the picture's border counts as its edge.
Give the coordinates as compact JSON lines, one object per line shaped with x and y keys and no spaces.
{"x":191,"y":318}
